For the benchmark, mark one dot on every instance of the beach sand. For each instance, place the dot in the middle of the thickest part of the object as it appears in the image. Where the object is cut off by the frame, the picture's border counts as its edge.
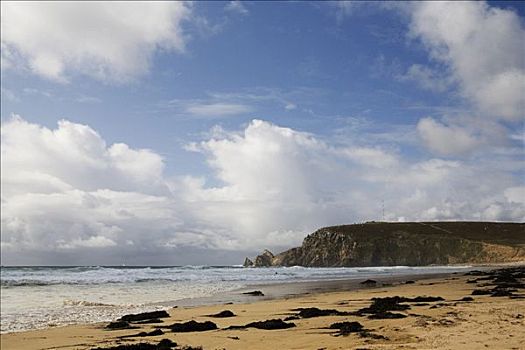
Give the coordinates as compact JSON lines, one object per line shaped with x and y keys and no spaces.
{"x":484,"y":323}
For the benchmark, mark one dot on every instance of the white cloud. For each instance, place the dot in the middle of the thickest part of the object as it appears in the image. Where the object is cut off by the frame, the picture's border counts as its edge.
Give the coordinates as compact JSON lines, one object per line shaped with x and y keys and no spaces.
{"x":483,"y":48}
{"x":446,"y":140}
{"x":236,"y":7}
{"x":110,"y":41}
{"x":66,"y":190}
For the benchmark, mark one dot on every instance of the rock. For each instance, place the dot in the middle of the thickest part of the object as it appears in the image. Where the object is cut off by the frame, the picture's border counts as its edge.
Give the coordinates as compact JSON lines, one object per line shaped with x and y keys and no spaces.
{"x":223,"y":314}
{"x":192,"y":326}
{"x":247,"y":262}
{"x":144,"y":316}
{"x":268,"y":325}
{"x":265,"y":259}
{"x":410,"y":282}
{"x":255,"y":293}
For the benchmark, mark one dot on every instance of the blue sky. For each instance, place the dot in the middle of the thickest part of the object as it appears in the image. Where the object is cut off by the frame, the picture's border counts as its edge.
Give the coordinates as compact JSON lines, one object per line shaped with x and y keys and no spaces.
{"x":369,"y":92}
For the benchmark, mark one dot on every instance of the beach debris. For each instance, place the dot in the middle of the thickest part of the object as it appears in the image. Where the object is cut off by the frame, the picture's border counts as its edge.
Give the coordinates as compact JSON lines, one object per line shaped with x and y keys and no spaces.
{"x":481,"y":292}
{"x":410,"y":282}
{"x":164,"y":344}
{"x":144,"y":334}
{"x":475,"y":273}
{"x":506,"y":282}
{"x":268,"y":325}
{"x":255,"y":293}
{"x":502,"y":292}
{"x":386,"y":315}
{"x":310,"y":312}
{"x":422,"y":299}
{"x":144,"y":316}
{"x":119,"y":325}
{"x":192,"y":326}
{"x":381,"y":307}
{"x":347,"y":328}
{"x":369,"y":283}
{"x":367,"y":334}
{"x":223,"y":314}
{"x":189,"y":347}
{"x":466,"y":299}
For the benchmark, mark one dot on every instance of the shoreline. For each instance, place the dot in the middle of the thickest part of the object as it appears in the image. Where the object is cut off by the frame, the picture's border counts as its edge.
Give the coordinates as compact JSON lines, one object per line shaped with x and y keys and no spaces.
{"x":158,"y":297}
{"x":422,"y":327}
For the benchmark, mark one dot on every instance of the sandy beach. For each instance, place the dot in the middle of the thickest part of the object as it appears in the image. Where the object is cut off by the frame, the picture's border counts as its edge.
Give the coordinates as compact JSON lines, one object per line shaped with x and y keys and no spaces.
{"x":485,"y":322}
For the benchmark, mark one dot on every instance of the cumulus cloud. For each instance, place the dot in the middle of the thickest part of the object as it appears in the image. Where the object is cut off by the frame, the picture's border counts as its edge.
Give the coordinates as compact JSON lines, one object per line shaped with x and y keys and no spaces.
{"x":478,"y":50}
{"x":483,"y":48}
{"x":110,"y":41}
{"x":66,"y":190}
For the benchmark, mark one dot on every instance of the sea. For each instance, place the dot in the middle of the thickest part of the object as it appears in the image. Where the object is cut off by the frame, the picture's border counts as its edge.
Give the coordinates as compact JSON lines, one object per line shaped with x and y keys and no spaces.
{"x":42,"y":297}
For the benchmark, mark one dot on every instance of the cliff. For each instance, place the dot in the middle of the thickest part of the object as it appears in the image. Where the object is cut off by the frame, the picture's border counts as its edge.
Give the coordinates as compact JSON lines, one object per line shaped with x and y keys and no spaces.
{"x":412,"y":244}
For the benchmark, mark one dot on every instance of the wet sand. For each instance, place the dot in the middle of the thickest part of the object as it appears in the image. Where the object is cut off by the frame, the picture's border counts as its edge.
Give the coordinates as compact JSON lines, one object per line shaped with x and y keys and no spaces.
{"x":487,"y":322}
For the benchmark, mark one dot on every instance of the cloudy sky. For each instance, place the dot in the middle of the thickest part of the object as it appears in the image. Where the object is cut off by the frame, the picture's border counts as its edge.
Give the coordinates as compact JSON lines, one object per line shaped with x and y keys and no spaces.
{"x":198,"y":133}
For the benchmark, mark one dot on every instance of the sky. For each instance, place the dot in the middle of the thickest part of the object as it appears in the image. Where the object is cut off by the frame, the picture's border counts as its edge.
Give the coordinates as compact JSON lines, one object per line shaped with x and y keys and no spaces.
{"x":172,"y":133}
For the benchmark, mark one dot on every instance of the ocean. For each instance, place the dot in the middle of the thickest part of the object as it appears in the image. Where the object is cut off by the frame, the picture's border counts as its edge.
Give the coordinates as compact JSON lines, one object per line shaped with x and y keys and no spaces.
{"x":42,"y":297}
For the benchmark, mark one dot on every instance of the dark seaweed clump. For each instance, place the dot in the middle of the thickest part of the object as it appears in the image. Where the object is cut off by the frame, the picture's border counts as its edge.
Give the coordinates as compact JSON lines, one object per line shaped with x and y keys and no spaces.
{"x":223,"y":314}
{"x":119,"y":325}
{"x":504,"y":282}
{"x":255,"y":293}
{"x":268,"y":325}
{"x":145,"y":334}
{"x":164,"y":344}
{"x":192,"y":326}
{"x":381,"y":307}
{"x":347,"y":328}
{"x":315,"y":312}
{"x":144,"y":316}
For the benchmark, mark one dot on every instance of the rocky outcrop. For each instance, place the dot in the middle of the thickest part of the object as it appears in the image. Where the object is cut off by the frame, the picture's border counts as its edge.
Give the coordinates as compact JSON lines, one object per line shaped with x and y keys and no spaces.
{"x":412,"y":244}
{"x":247,"y":262}
{"x":265,"y":259}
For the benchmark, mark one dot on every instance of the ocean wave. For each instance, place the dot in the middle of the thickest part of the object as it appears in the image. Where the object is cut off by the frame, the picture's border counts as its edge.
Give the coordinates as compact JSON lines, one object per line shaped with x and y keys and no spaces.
{"x":69,"y":302}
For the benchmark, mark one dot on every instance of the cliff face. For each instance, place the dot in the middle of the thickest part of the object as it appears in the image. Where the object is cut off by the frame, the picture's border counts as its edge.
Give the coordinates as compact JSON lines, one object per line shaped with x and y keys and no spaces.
{"x":388,"y":244}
